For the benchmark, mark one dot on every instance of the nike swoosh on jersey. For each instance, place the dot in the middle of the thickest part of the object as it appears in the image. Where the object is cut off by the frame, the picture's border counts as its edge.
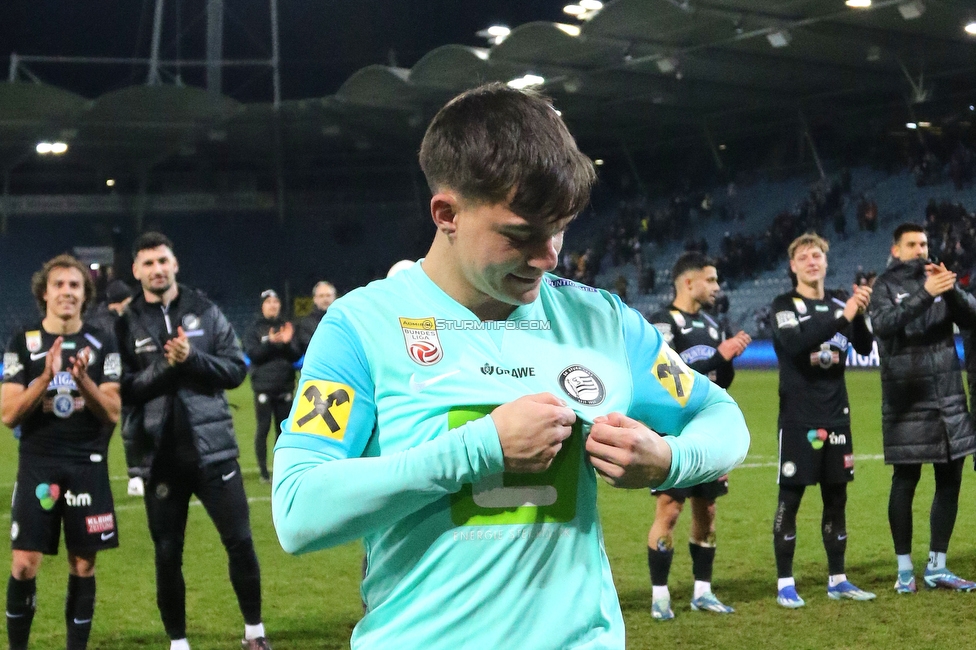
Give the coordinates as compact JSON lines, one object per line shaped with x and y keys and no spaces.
{"x":418,"y":386}
{"x":38,"y":355}
{"x":685,"y":330}
{"x":142,"y":342}
{"x":803,"y":319}
{"x":107,"y":536}
{"x":901,"y":296}
{"x":227,"y":477}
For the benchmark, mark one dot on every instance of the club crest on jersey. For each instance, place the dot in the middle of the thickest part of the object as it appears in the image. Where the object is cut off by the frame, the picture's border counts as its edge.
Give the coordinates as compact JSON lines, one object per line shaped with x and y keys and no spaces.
{"x":679,"y":318}
{"x":801,"y":307}
{"x":33,"y":340}
{"x":191,"y":322}
{"x":420,"y":337}
{"x":713,"y":333}
{"x":582,"y":385}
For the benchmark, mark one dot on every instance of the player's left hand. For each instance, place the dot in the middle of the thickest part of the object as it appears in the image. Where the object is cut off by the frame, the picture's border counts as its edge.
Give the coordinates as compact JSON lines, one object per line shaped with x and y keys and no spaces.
{"x":177,"y":349}
{"x":286,"y":332}
{"x":79,"y":364}
{"x":627,"y":453}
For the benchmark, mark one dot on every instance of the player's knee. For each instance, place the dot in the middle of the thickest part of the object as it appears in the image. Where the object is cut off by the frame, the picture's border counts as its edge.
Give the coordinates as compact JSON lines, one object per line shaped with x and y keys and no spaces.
{"x":81,"y":565}
{"x":24,"y":566}
{"x":169,"y":554}
{"x":240,"y":549}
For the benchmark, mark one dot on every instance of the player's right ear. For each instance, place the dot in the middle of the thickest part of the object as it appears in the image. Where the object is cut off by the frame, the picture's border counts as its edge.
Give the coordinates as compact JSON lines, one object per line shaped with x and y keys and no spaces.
{"x":444,"y":207}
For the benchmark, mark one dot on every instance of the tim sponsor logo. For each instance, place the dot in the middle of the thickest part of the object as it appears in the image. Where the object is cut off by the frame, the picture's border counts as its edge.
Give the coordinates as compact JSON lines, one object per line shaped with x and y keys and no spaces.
{"x":77,"y":500}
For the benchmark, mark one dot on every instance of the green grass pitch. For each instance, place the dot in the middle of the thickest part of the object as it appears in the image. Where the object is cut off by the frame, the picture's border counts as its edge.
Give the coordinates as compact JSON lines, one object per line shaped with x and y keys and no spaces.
{"x":313,"y":601}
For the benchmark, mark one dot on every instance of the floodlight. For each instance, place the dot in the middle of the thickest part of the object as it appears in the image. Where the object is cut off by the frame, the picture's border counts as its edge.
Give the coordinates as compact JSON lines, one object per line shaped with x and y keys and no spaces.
{"x":912,"y":125}
{"x":858,"y":4}
{"x":110,"y":182}
{"x":667,"y":65}
{"x":43,"y":148}
{"x":58,"y":148}
{"x":598,"y":162}
{"x":574,"y":10}
{"x":572,"y":30}
{"x":779,"y":38}
{"x":591,"y":5}
{"x":526,"y":81}
{"x":911,"y":10}
{"x":94,"y":266}
{"x":971,"y":28}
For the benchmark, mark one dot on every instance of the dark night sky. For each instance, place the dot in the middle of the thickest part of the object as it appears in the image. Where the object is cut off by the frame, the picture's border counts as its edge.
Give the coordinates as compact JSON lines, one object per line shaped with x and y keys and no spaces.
{"x":322,"y":41}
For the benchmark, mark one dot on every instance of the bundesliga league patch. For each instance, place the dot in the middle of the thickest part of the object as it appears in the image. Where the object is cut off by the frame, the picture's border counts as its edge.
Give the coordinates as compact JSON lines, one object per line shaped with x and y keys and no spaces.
{"x":420,"y":337}
{"x":322,"y":408}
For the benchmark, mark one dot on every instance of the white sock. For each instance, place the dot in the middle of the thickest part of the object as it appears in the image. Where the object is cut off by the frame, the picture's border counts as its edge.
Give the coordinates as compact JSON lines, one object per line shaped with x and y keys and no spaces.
{"x":785,"y":582}
{"x":905,"y":563}
{"x":253,"y":631}
{"x":702,"y":588}
{"x":660,"y":592}
{"x":936,"y":561}
{"x":179,"y":644}
{"x":835,"y":580}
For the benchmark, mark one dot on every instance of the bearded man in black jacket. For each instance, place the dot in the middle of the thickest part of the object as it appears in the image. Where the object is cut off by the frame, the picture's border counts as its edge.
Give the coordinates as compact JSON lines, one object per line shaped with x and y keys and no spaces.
{"x":924,"y":417}
{"x":323,"y":295}
{"x":179,"y":354}
{"x":271,"y":347}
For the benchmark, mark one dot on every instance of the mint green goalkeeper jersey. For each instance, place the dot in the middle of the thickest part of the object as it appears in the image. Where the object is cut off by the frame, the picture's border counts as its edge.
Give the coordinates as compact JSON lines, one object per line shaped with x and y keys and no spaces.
{"x":389,"y":439}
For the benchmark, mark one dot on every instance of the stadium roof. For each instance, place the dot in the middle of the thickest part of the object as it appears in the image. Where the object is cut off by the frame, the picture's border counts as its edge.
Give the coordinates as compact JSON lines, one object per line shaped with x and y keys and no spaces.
{"x":637,"y":71}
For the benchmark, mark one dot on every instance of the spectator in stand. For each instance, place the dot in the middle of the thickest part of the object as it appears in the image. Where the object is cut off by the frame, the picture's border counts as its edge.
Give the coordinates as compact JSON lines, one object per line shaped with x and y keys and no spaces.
{"x":104,"y":315}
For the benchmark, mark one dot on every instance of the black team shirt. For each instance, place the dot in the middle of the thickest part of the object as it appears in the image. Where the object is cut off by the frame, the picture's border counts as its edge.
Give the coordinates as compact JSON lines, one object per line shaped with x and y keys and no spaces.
{"x":696,"y":338}
{"x":62,"y":426}
{"x":811,"y":339}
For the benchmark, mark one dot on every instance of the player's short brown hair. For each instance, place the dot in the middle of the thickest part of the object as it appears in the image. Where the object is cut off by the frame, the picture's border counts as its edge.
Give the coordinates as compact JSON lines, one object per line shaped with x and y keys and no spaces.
{"x":64,"y":261}
{"x":498,"y":145}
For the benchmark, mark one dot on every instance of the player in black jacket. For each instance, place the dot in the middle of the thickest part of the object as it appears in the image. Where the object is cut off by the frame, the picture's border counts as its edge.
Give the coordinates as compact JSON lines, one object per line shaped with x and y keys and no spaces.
{"x":270,"y":345}
{"x":704,"y":346}
{"x":812,"y":330}
{"x":180,"y":354}
{"x":61,"y":386}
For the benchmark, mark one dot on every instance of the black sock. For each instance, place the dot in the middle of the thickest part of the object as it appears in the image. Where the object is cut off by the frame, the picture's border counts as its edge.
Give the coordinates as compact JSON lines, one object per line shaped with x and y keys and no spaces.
{"x":784,"y":528}
{"x":21,"y":603}
{"x":702,"y":561}
{"x":79,"y":607}
{"x":659,"y":562}
{"x":833,"y":525}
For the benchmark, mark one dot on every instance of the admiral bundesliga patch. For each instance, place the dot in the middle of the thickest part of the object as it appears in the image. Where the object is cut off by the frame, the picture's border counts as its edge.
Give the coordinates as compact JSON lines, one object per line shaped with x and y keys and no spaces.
{"x":420,"y":337}
{"x":323,"y":409}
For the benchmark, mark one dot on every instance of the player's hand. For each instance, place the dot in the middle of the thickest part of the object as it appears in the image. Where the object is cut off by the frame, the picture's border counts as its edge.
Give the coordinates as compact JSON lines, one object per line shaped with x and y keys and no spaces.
{"x":177,"y":349}
{"x":858,"y":302}
{"x":53,"y":363}
{"x":627,"y":453}
{"x":79,"y":364}
{"x":531,"y":430}
{"x":286,"y":332}
{"x":733,"y":347}
{"x":939,"y":280}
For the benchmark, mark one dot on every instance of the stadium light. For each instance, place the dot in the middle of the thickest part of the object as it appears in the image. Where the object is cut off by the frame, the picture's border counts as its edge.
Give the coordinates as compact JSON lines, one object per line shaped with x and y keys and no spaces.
{"x":911,"y":125}
{"x":591,"y":5}
{"x":584,"y":10}
{"x":858,"y":4}
{"x":911,"y":10}
{"x":598,"y":162}
{"x":924,"y":125}
{"x":722,"y":147}
{"x":526,"y":81}
{"x":94,"y":266}
{"x":574,"y":10}
{"x":110,"y":182}
{"x":667,"y":65}
{"x":971,"y":28}
{"x":779,"y":38}
{"x":572,"y":30}
{"x":495,"y":34}
{"x":43,"y":148}
{"x":58,"y":148}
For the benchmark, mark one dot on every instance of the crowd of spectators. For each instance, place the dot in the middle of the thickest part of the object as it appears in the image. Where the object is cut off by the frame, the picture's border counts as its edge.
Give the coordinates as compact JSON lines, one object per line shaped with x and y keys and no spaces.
{"x":951,"y":230}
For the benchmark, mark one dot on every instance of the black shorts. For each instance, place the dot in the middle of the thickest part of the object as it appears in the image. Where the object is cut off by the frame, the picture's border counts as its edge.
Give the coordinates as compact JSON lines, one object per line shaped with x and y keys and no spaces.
{"x":710,"y":490}
{"x":811,"y":456}
{"x":51,"y":490}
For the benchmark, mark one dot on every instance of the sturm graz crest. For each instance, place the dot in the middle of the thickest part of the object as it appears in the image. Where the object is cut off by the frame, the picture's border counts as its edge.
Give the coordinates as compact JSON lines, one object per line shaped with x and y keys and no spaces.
{"x":582,"y":385}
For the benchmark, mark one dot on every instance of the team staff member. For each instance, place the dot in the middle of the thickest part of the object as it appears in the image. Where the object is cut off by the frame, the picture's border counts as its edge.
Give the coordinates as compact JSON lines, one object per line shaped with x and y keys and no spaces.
{"x":813,"y":328}
{"x":61,"y":386}
{"x":323,"y":295}
{"x":180,"y":354}
{"x":705,"y":347}
{"x":923,"y":405}
{"x":270,"y":346}
{"x":442,"y":412}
